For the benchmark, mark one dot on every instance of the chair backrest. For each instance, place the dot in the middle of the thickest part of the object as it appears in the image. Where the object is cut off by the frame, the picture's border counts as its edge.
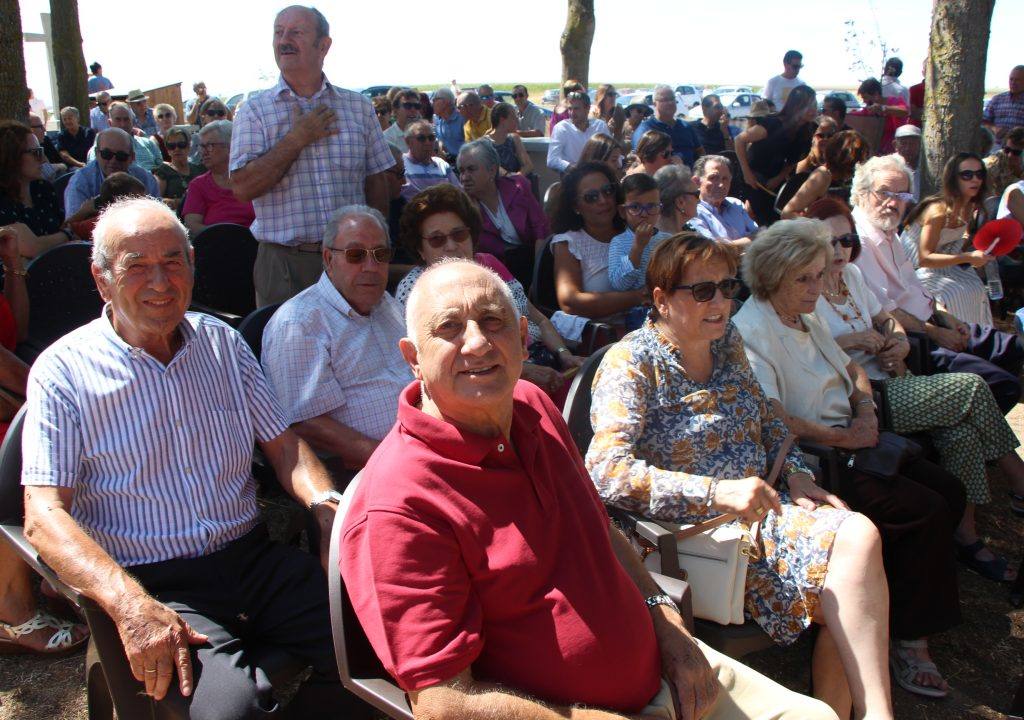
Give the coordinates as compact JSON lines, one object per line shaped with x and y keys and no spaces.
{"x":789,"y":188}
{"x":62,"y":294}
{"x":542,"y":289}
{"x":225,"y":256}
{"x":577,"y":403}
{"x":12,"y":506}
{"x":358,"y":667}
{"x":252,"y":327}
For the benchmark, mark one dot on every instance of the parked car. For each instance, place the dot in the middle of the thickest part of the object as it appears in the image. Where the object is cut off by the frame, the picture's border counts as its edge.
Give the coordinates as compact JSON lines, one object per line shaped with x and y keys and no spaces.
{"x":687,"y":96}
{"x":644,"y":97}
{"x":504,"y":96}
{"x":851,"y":100}
{"x":233,"y":101}
{"x":551,"y":96}
{"x":736,"y":104}
{"x":727,"y":90}
{"x":375,"y":90}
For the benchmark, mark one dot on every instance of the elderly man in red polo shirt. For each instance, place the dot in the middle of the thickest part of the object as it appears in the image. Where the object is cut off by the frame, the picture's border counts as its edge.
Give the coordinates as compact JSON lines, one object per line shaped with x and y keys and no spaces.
{"x":481,"y":562}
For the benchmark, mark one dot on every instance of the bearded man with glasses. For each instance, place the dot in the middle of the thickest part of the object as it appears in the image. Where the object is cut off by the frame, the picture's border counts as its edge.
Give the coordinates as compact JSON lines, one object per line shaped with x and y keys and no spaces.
{"x":331,"y":352}
{"x":114,"y":152}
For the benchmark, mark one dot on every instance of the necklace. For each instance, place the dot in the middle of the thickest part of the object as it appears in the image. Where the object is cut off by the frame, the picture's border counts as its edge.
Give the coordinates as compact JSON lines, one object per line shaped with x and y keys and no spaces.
{"x":789,"y":319}
{"x":845,"y":301}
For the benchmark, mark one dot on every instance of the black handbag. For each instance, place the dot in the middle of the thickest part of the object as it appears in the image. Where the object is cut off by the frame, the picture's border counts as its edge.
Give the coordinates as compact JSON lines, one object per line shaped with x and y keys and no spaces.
{"x":892,"y":453}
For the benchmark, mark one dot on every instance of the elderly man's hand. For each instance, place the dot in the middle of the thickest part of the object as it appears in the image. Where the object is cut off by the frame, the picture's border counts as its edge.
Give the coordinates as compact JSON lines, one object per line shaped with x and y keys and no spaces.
{"x":156,"y":641}
{"x":546,"y":378}
{"x":314,"y":125}
{"x":694,"y":682}
{"x":949,"y":338}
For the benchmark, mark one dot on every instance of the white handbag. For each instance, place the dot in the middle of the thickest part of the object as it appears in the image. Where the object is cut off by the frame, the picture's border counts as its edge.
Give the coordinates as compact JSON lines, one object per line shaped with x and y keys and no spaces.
{"x":715,"y":558}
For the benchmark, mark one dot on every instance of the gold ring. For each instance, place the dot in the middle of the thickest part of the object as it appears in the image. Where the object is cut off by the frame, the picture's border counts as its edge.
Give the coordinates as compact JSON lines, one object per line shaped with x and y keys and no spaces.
{"x":148,"y":670}
{"x":759,"y":511}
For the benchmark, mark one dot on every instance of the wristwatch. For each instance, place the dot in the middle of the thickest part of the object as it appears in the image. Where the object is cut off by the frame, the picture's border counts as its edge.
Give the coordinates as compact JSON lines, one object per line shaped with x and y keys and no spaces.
{"x":662,"y":599}
{"x":324,"y":496}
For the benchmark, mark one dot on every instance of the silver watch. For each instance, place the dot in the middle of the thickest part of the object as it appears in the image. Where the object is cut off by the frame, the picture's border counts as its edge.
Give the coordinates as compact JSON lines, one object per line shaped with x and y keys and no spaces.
{"x":662,"y":599}
{"x":324,"y":496}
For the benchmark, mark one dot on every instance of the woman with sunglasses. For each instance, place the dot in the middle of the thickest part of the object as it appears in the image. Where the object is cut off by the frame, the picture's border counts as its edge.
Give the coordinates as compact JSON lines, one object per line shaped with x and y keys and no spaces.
{"x":211,"y":110}
{"x":653,"y":152}
{"x":443,"y":222}
{"x":210,"y":199}
{"x":957,"y":410}
{"x":937,"y":235}
{"x":586,"y":219}
{"x":843,"y":153}
{"x":512,"y":155}
{"x":824,"y":397}
{"x":684,"y":433}
{"x":28,"y":204}
{"x":174,"y":175}
{"x":826,"y":130}
{"x":606,"y":108}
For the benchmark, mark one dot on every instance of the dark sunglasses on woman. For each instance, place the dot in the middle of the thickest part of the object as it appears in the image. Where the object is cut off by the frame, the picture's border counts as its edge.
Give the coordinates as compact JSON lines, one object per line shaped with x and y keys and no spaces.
{"x":592,"y":196}
{"x":971,"y":174}
{"x":848,"y":240}
{"x":705,"y":291}
{"x":437,"y":240}
{"x":176,"y":145}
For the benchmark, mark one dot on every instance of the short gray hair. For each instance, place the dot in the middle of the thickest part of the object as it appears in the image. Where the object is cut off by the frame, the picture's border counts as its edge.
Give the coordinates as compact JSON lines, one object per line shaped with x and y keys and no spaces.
{"x":482,"y":149}
{"x":864,"y":175}
{"x":671,"y":181}
{"x":71,"y":110}
{"x":116,"y":218}
{"x":780,"y":250}
{"x":411,"y":130}
{"x":353,"y":211}
{"x":701,"y":163}
{"x":103,"y":95}
{"x":323,"y":28}
{"x":658,"y":88}
{"x":221,"y":127}
{"x":444,"y":94}
{"x":420,"y":288}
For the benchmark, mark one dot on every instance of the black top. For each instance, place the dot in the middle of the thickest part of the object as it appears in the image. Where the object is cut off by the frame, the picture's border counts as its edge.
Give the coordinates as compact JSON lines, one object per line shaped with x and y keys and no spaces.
{"x":711,"y":138}
{"x":50,"y":150}
{"x":43,"y":218}
{"x":780,"y":148}
{"x":77,"y":146}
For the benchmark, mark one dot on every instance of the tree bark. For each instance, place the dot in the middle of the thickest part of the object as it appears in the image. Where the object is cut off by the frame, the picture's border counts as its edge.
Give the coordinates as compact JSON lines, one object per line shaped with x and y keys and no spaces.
{"x":68,"y":60}
{"x":954,"y":83}
{"x":13,"y":86}
{"x":577,"y":38}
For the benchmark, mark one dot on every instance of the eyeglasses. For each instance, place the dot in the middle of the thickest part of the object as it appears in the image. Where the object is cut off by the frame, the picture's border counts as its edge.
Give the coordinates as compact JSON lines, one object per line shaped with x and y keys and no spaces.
{"x":356,"y":256}
{"x":889,"y":195}
{"x":591,"y":197}
{"x":216,"y":113}
{"x":848,"y":240}
{"x":208,"y":145}
{"x":36,"y":152}
{"x":383,"y":113}
{"x":410,"y":106}
{"x":437,"y":240}
{"x":519,"y":95}
{"x":177,"y":145}
{"x":165,"y":115}
{"x":485,"y":98}
{"x":971,"y":174}
{"x":103,"y":104}
{"x":705,"y":291}
{"x":120,"y":155}
{"x":1013,"y":151}
{"x":426,"y":138}
{"x":642,"y":209}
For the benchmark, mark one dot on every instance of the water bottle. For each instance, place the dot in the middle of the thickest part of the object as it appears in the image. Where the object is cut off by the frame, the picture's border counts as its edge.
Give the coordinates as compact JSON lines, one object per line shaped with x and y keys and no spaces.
{"x":993,"y":281}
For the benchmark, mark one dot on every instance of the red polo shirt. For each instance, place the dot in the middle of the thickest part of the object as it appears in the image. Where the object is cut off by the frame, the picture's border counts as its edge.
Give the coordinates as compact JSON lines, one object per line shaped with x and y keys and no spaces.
{"x":461,"y":551}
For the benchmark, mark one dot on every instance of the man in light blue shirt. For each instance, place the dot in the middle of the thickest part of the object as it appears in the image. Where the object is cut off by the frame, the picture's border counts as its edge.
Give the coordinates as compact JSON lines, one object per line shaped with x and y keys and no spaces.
{"x":98,"y":119}
{"x":448,"y":123}
{"x":719,"y":216}
{"x":114,"y":154}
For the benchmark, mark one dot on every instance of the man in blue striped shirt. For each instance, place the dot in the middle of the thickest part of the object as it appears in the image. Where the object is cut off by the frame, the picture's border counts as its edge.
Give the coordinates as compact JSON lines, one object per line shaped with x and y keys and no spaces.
{"x":138,"y":491}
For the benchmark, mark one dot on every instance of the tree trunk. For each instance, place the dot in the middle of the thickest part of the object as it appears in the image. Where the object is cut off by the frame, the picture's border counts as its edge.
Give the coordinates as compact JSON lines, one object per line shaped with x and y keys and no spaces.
{"x":13,"y":87}
{"x":954,"y":83}
{"x":68,"y":60}
{"x":576,"y":41}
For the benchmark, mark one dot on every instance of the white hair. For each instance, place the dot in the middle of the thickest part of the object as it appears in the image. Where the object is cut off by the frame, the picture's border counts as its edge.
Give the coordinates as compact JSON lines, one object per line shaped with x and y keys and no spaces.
{"x":864,"y":175}
{"x":120,"y":218}
{"x":221,"y":127}
{"x":421,"y":288}
{"x":658,"y":88}
{"x":71,"y":110}
{"x":353,"y":211}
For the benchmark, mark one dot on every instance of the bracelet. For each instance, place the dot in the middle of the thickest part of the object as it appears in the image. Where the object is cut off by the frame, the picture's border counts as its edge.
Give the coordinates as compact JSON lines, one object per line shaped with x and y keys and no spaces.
{"x":866,"y":401}
{"x":655,"y":600}
{"x":20,"y":273}
{"x":562,"y":349}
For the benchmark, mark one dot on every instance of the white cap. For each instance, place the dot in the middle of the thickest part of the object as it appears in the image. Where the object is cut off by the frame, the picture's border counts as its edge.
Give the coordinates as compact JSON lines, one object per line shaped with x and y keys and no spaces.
{"x":908,"y":130}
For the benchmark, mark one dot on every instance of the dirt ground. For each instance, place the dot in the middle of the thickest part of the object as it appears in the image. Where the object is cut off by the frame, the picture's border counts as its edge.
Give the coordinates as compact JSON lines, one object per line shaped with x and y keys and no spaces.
{"x":983,"y":659}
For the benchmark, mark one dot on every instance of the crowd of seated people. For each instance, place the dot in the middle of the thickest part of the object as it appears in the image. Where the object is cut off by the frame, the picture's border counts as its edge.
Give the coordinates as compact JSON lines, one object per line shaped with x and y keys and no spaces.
{"x":419,"y":386}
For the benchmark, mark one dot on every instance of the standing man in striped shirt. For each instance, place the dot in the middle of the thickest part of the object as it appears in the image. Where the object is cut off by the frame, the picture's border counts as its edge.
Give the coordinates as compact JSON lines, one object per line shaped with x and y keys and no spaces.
{"x":138,"y":491}
{"x":299,"y":151}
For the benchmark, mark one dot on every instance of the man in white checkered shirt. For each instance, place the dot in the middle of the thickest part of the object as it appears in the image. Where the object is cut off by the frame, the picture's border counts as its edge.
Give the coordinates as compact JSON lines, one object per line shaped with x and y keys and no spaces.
{"x":331,"y":352}
{"x":299,"y":151}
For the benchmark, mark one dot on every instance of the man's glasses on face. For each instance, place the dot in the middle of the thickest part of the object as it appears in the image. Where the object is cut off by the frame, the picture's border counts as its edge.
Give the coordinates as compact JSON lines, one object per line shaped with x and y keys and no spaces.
{"x":215,"y":113}
{"x":643,"y":209}
{"x":410,"y":106}
{"x":517,"y":95}
{"x":485,"y":98}
{"x":591,"y":197}
{"x":884,"y":195}
{"x":119,"y":155}
{"x":180,"y":145}
{"x":426,"y":138}
{"x":211,"y":145}
{"x":356,"y":256}
{"x":36,"y":152}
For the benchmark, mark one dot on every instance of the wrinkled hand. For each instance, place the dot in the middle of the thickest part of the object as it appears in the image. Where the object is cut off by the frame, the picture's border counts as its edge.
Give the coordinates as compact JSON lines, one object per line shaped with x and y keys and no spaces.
{"x":314,"y":125}
{"x":951,"y":339}
{"x":746,"y":498}
{"x":643,"y":234}
{"x":546,"y":378}
{"x":870,"y":341}
{"x":808,"y":494}
{"x":976,"y":258}
{"x":156,"y":641}
{"x":862,"y":433}
{"x":693,"y":681}
{"x":570,"y":361}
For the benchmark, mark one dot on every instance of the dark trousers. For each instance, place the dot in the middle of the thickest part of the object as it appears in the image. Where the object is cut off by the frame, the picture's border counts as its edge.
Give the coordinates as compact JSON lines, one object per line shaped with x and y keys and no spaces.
{"x":251,"y":598}
{"x":994,"y":355}
{"x":916,"y":514}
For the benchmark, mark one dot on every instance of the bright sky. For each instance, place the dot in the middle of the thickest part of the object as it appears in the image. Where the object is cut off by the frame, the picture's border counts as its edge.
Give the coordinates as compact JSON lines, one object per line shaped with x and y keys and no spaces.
{"x":228,"y":44}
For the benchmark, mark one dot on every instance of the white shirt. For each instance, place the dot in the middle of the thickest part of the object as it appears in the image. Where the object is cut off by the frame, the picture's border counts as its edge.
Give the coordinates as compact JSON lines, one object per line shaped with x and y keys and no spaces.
{"x":396,"y":136}
{"x":777,"y":89}
{"x":324,"y":358}
{"x":1004,"y":201}
{"x":860,"y":307}
{"x":891,"y":87}
{"x":888,"y":271}
{"x":567,"y":142}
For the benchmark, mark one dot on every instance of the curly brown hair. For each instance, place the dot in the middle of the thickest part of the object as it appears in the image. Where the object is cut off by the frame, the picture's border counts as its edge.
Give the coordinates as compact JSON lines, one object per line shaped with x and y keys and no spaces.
{"x":844,"y":152}
{"x":434,"y":200}
{"x":12,"y":143}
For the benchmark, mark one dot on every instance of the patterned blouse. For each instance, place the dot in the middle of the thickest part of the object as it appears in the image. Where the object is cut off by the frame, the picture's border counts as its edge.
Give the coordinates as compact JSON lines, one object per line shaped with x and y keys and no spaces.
{"x":659,"y":439}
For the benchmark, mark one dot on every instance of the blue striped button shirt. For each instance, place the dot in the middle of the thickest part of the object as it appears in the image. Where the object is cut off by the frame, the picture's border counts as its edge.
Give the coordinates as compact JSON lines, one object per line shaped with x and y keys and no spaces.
{"x":158,"y":456}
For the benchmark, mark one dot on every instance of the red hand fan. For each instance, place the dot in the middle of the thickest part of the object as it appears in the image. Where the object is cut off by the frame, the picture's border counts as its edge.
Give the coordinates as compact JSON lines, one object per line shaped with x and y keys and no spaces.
{"x":998,"y":237}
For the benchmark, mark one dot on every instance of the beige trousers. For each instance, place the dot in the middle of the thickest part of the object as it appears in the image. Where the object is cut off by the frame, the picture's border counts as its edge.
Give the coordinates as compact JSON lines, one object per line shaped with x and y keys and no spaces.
{"x":745,"y":694}
{"x":281,"y":272}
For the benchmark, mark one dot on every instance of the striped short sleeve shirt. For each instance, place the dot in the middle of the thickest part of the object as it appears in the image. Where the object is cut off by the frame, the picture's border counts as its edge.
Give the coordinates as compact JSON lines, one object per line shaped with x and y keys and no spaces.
{"x":158,"y":456}
{"x":326,"y":175}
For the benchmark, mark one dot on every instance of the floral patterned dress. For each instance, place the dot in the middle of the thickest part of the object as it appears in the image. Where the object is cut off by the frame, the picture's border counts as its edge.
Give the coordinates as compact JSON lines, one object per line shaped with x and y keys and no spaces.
{"x":660,"y":438}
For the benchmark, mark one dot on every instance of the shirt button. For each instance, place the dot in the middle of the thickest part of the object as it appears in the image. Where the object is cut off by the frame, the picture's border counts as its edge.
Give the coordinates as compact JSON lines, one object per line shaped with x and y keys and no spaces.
{"x":501,"y":447}
{"x":177,"y":423}
{"x":188,"y":471}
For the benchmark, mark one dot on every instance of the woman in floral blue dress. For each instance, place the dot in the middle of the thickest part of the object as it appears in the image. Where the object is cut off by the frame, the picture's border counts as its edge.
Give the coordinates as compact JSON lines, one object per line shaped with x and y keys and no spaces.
{"x":683,"y":432}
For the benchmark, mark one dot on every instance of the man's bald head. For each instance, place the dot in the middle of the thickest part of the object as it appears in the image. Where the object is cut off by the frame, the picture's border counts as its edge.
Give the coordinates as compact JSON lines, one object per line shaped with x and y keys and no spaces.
{"x":114,"y":151}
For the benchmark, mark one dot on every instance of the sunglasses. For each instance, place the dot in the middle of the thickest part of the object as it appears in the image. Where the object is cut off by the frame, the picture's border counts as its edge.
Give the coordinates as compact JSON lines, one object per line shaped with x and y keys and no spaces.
{"x":356,"y":256}
{"x":705,"y":291}
{"x":215,"y":113}
{"x":897,"y":196}
{"x":176,"y":145}
{"x":848,"y":240}
{"x":164,"y":115}
{"x":971,"y":174}
{"x":119,"y":155}
{"x":437,"y":240}
{"x":641,"y":209}
{"x":1013,"y":151}
{"x":209,"y":145}
{"x":590,"y":197}
{"x":410,"y":106}
{"x":37,"y":127}
{"x":426,"y":138}
{"x":36,"y":152}
{"x":518,"y":95}
{"x":485,"y":98}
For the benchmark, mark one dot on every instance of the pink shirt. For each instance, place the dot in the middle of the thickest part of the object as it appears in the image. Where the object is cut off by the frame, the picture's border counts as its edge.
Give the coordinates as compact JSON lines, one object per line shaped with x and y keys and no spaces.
{"x":216,"y":204}
{"x":461,"y":550}
{"x":888,"y":271}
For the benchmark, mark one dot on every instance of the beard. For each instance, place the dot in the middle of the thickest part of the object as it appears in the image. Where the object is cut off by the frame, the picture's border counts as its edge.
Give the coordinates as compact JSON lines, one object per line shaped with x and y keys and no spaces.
{"x":886,"y":221}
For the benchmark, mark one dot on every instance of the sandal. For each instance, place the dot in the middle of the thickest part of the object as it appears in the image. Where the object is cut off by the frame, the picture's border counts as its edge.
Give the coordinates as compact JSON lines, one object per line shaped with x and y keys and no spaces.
{"x":906,"y":667}
{"x":994,"y":569}
{"x":1016,"y":504}
{"x":61,"y":642}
